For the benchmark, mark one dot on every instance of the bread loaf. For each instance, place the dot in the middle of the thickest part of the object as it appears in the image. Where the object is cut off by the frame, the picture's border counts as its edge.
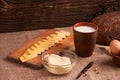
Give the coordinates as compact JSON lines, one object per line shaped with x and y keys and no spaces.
{"x":109,"y":27}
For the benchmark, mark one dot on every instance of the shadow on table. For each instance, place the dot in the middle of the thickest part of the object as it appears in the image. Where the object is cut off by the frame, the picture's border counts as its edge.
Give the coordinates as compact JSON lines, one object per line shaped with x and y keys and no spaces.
{"x":18,"y":63}
{"x":109,"y":63}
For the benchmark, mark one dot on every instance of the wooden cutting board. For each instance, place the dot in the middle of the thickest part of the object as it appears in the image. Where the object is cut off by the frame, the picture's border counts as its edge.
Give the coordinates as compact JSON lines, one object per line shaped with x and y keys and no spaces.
{"x":36,"y":62}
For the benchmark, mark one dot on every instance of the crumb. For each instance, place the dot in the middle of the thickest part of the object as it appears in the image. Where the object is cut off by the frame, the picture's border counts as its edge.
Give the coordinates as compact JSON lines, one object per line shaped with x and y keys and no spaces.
{"x":85,"y":75}
{"x":96,"y":69}
{"x":98,"y":72}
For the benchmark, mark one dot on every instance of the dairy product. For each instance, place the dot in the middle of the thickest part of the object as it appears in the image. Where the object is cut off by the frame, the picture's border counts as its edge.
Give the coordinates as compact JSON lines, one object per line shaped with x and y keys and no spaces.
{"x":44,"y":44}
{"x":85,"y":29}
{"x":58,"y":64}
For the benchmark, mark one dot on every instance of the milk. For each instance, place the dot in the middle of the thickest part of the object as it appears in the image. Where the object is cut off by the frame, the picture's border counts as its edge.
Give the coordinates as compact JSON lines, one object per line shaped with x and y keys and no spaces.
{"x":85,"y":29}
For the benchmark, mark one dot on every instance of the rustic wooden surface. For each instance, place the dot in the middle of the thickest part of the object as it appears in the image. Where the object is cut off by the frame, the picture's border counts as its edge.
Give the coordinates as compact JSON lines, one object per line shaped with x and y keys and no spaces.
{"x":106,"y":70}
{"x":20,"y":15}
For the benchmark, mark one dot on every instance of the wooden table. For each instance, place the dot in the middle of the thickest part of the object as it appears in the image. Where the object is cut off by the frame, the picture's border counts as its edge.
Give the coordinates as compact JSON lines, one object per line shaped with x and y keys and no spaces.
{"x":103,"y":68}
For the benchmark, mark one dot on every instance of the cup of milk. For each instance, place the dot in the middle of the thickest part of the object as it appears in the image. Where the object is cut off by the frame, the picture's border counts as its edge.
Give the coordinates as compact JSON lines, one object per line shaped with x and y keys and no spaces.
{"x":85,"y":35}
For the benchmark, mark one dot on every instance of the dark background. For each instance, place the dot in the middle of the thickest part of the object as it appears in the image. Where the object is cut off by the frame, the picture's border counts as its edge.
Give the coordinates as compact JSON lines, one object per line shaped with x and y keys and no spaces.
{"x":20,"y":15}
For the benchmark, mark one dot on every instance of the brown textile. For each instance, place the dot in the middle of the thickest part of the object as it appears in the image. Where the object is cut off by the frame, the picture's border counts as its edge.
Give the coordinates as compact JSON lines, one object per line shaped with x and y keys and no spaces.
{"x":106,"y":70}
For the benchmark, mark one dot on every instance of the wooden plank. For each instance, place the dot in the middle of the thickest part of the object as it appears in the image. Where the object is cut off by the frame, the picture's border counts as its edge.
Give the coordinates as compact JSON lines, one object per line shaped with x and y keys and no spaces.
{"x":36,"y":62}
{"x":20,"y":15}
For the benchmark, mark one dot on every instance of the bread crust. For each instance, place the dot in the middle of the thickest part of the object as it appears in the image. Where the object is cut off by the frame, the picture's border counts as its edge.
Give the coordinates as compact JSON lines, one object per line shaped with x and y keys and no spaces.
{"x":109,"y":27}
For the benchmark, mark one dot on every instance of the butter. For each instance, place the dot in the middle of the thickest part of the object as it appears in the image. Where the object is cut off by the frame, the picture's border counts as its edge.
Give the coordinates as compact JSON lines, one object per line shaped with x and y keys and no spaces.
{"x":59,"y":65}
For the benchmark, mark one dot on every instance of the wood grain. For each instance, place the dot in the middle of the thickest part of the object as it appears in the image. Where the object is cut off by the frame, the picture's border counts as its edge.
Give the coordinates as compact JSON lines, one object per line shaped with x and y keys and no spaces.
{"x":38,"y":14}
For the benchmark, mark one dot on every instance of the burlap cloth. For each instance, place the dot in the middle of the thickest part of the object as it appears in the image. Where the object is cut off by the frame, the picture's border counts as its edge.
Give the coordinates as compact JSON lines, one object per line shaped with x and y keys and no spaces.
{"x":103,"y":68}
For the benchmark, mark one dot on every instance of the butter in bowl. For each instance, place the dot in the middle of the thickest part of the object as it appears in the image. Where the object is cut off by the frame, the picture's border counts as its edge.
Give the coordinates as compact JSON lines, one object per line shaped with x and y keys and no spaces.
{"x":60,"y":63}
